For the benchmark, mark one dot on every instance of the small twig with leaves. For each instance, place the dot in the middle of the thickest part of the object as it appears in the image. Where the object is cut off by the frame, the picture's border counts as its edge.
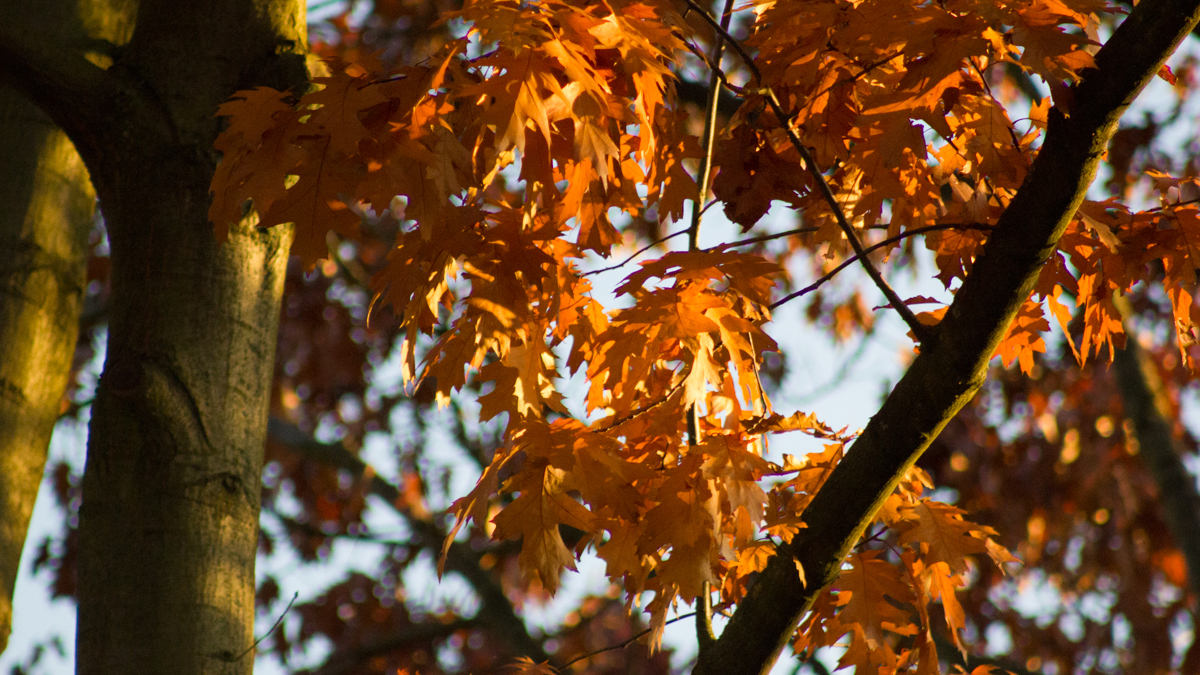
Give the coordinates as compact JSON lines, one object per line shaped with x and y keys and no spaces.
{"x":921,"y":332}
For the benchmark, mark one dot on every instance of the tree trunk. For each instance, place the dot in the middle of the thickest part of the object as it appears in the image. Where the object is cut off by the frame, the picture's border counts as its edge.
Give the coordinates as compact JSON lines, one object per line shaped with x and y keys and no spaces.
{"x":46,"y":206}
{"x":169,"y":521}
{"x":46,"y":210}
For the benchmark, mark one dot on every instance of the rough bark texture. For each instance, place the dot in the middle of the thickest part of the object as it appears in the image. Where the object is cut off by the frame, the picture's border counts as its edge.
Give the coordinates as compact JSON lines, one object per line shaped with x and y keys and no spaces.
{"x":46,"y":211}
{"x":949,"y":371}
{"x":171,"y":491}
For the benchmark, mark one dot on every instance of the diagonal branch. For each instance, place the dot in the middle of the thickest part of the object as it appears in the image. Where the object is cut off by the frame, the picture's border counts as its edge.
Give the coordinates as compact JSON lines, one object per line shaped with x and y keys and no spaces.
{"x":496,"y":611}
{"x":948,"y":373}
{"x":874,"y":247}
{"x":920,"y":331}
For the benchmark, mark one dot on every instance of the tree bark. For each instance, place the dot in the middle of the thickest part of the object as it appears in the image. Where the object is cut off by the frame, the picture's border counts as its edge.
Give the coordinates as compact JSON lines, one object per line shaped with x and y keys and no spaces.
{"x":46,"y":207}
{"x":46,"y":212}
{"x":1146,"y":405}
{"x":169,"y":521}
{"x":952,"y":367}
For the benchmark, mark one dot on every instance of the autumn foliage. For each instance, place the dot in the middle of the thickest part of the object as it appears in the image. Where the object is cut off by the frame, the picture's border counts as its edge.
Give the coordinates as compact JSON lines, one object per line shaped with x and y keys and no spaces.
{"x":542,"y":137}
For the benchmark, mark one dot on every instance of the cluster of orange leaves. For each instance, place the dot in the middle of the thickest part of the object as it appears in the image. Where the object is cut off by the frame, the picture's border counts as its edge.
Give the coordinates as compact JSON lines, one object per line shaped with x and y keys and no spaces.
{"x":506,"y":154}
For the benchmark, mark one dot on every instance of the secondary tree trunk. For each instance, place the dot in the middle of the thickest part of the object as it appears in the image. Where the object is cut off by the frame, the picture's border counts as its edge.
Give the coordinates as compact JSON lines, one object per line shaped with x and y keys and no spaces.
{"x":169,"y":522}
{"x":46,"y":210}
{"x":1147,"y":406}
{"x":46,"y":206}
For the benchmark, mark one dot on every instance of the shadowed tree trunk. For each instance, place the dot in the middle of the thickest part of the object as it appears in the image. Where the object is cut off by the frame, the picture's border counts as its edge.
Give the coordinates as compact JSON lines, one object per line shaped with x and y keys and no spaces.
{"x":171,"y":491}
{"x":1146,"y":405}
{"x":46,"y":210}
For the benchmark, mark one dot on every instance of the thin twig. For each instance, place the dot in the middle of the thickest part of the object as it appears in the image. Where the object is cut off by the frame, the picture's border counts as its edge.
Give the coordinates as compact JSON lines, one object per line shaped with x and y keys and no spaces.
{"x":272,"y":630}
{"x":771,"y":237}
{"x":812,"y":229}
{"x":640,"y":251}
{"x":704,"y":630}
{"x":1171,"y":206}
{"x":886,"y":242}
{"x":637,"y":413}
{"x":714,"y":69}
{"x":621,"y":645}
{"x":921,"y":332}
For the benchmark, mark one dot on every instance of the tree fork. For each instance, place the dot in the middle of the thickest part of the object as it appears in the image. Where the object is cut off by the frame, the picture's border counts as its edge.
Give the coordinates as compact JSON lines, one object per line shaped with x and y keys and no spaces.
{"x":952,"y":367}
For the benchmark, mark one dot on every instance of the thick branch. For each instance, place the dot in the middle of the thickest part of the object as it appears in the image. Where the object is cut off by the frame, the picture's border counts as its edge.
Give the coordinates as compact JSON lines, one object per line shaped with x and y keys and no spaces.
{"x":1145,"y":404}
{"x":496,"y":611}
{"x":952,"y":367}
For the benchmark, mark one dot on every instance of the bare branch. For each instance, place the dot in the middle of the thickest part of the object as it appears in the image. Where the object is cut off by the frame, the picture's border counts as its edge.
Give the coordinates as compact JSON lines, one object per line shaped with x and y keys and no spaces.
{"x":622,"y":644}
{"x":496,"y":611}
{"x":636,"y":253}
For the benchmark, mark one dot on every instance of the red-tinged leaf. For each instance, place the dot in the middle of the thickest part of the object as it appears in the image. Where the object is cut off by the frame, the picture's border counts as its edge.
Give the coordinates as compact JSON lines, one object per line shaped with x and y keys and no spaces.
{"x":704,"y":371}
{"x":259,"y":152}
{"x":586,"y":200}
{"x":342,"y":99}
{"x":797,"y":421}
{"x":315,"y":203}
{"x":752,"y":175}
{"x":474,"y":505}
{"x":251,"y":114}
{"x":954,"y":252}
{"x":754,"y":558}
{"x":943,"y":583}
